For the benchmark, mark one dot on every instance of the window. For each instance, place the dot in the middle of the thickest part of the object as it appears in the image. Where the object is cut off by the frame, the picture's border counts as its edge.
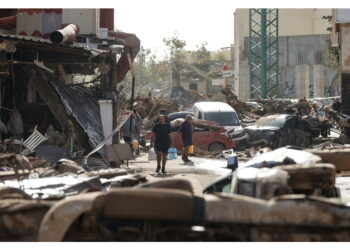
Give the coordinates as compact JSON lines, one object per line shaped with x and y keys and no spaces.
{"x":193,"y":86}
{"x":223,"y":118}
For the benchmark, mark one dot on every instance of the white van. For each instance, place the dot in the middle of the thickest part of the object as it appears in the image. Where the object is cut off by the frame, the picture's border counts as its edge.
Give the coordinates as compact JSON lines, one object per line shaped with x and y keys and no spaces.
{"x":223,"y":114}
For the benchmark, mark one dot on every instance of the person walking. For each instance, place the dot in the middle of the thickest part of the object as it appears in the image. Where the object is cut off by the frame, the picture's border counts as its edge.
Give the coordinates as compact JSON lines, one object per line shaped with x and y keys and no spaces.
{"x":186,"y":135}
{"x":161,"y":141}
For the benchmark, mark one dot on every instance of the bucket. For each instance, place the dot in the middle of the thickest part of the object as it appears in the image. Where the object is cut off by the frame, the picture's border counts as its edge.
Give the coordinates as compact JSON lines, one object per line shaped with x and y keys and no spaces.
{"x":135,"y":144}
{"x":191,"y":149}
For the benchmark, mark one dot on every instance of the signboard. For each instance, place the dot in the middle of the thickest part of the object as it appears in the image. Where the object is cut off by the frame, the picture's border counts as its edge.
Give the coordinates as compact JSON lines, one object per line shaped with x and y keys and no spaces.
{"x":217,"y":82}
{"x":342,"y":15}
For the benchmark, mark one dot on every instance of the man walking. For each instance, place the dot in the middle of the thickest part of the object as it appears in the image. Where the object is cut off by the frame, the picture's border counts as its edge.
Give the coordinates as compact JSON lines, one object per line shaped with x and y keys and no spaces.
{"x":186,"y":134}
{"x":162,"y":142}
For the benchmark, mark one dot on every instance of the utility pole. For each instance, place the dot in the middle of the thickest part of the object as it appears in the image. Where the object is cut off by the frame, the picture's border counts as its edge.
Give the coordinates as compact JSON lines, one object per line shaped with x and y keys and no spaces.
{"x":263,"y":53}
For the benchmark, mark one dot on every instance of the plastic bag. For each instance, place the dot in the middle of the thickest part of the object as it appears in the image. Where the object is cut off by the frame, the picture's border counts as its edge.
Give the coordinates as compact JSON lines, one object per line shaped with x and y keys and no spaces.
{"x":172,"y":154}
{"x":152,"y":156}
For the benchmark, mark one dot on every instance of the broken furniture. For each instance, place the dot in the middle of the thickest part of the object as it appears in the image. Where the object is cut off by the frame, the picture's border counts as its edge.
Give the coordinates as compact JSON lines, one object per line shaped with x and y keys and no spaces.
{"x":119,"y":153}
{"x":32,"y":142}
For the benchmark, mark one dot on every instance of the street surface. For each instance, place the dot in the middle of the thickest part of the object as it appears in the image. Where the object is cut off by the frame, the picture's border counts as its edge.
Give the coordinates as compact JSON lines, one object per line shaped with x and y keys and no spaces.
{"x":203,"y":172}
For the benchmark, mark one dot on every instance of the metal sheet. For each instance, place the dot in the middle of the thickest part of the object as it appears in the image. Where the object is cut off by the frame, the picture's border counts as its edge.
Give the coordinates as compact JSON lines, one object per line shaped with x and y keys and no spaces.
{"x":342,"y":15}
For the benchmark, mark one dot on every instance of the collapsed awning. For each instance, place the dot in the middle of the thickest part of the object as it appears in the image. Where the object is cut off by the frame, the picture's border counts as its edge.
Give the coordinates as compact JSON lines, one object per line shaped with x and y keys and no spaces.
{"x":132,"y":45}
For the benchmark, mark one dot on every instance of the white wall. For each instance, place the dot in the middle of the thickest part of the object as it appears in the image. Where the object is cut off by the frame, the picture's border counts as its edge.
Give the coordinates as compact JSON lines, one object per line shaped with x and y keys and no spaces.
{"x":88,"y":20}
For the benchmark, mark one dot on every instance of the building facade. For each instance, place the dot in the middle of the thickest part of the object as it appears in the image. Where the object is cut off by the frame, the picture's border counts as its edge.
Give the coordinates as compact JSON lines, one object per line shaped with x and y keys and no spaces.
{"x":305,"y":62}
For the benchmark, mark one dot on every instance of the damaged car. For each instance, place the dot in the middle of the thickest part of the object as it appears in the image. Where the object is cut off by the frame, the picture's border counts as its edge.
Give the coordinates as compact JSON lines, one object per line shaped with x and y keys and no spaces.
{"x":207,"y":136}
{"x":224,"y":115}
{"x":279,"y":130}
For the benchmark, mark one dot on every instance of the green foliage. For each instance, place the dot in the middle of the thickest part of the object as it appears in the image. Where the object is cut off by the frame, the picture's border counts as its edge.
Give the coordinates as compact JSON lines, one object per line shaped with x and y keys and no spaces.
{"x":201,"y":54}
{"x":333,"y":52}
{"x":329,"y":19}
{"x":155,"y":73}
{"x":174,"y":44}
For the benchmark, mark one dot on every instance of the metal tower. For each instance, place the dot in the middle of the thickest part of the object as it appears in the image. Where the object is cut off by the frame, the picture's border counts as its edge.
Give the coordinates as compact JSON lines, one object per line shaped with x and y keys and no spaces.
{"x":263,"y":53}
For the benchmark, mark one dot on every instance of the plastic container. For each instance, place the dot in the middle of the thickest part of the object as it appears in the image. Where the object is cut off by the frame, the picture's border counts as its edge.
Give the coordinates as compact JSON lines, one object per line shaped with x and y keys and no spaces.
{"x":232,"y":161}
{"x":172,"y":154}
{"x":135,"y":144}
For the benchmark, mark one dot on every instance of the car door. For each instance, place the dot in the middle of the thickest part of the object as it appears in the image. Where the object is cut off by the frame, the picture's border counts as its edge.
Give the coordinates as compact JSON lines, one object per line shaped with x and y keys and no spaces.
{"x":202,"y":137}
{"x":177,"y":140}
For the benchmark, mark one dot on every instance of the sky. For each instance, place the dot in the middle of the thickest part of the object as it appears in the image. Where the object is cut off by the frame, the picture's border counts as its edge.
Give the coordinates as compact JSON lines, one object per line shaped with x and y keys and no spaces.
{"x":195,"y":21}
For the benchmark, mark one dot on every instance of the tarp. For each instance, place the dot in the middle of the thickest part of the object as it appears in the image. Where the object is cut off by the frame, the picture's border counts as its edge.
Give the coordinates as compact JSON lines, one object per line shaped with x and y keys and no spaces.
{"x":81,"y":104}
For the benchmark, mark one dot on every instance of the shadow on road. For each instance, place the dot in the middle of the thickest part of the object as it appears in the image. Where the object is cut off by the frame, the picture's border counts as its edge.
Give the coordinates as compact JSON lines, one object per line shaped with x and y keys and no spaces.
{"x":162,"y":175}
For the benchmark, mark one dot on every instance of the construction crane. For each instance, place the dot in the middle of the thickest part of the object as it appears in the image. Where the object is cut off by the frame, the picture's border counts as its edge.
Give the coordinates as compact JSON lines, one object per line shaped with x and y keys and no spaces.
{"x":263,"y":53}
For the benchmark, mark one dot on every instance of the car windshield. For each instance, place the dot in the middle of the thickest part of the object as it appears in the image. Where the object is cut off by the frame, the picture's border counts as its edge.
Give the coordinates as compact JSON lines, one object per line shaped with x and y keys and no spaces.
{"x":223,"y":118}
{"x":272,"y":121}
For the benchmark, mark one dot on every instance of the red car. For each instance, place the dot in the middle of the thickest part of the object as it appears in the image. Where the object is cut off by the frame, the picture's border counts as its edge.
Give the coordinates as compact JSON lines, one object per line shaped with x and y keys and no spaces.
{"x":207,"y":136}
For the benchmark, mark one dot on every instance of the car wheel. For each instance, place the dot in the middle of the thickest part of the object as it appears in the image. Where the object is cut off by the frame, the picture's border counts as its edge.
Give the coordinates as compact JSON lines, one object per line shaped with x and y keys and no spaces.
{"x":216,"y":147}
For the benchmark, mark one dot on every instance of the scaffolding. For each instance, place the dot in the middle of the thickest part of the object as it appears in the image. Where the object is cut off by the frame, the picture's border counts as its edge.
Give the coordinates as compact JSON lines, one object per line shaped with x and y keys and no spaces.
{"x":263,"y":53}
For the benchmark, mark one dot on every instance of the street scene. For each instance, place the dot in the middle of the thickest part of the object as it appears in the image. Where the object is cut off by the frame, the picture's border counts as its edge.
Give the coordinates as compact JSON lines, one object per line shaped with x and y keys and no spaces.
{"x":104,"y":138}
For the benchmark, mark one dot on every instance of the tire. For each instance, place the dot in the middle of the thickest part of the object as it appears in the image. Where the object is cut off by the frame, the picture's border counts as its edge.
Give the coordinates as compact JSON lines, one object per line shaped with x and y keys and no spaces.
{"x":216,"y":147}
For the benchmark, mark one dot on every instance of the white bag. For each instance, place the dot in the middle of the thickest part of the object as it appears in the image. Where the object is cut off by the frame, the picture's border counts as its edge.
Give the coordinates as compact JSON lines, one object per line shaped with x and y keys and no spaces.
{"x":152,"y":156}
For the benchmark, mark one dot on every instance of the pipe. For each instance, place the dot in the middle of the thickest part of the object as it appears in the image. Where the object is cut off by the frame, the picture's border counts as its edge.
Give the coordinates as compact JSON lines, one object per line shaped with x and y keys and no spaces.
{"x":67,"y":34}
{"x":8,"y":22}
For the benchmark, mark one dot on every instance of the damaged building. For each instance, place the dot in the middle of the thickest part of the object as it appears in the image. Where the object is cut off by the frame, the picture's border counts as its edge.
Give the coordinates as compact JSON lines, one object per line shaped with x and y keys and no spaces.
{"x":307,"y":63}
{"x":56,"y":65}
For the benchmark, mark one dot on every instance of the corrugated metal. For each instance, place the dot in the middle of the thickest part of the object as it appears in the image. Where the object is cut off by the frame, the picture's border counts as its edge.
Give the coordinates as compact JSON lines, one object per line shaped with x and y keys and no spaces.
{"x":48,"y":42}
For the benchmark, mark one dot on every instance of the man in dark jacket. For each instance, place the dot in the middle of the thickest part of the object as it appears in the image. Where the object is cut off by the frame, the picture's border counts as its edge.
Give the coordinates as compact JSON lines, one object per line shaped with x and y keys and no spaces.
{"x":186,"y":134}
{"x":162,"y":142}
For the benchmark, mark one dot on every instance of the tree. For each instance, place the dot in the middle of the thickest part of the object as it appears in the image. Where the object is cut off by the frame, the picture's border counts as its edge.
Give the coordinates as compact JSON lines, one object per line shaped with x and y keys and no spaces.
{"x":202,"y":54}
{"x":176,"y":49}
{"x":174,"y":44}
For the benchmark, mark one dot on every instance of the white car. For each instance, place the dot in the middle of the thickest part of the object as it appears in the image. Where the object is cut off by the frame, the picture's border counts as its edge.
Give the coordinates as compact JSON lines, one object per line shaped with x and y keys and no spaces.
{"x":223,"y":114}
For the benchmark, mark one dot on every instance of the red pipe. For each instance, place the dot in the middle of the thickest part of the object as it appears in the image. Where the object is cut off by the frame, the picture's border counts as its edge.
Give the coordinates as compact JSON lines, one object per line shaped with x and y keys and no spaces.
{"x":67,"y":34}
{"x":8,"y":22}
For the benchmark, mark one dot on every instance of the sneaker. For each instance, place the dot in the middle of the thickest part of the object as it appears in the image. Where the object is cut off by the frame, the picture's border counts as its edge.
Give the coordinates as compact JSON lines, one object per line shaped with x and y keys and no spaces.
{"x":185,"y":159}
{"x":163,"y":171}
{"x":158,"y":169}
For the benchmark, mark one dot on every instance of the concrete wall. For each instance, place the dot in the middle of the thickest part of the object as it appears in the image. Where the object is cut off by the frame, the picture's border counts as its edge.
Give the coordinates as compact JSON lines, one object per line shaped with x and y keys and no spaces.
{"x":294,"y":24}
{"x":294,"y":51}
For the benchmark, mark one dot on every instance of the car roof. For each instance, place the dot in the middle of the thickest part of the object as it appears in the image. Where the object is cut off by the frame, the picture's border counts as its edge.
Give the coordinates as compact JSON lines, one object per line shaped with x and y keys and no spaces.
{"x":214,"y":106}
